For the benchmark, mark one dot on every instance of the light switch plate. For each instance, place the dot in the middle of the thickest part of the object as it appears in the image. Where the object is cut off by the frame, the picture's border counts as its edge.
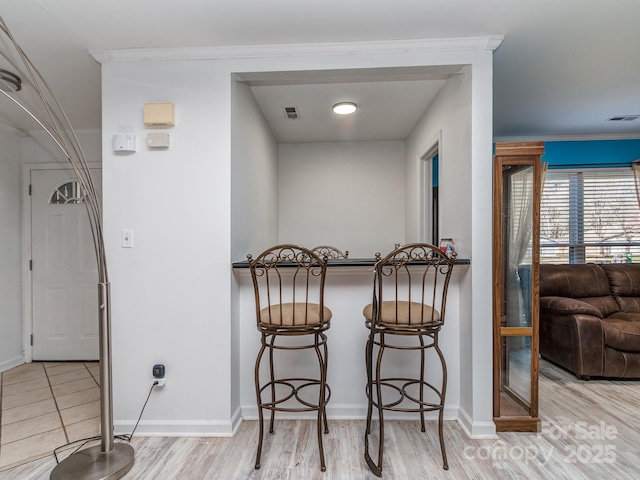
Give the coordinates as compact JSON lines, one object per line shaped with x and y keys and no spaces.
{"x":127,"y":239}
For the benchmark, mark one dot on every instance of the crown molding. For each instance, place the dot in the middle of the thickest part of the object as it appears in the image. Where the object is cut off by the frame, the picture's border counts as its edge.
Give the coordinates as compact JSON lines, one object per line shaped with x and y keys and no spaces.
{"x":299,"y":50}
{"x":568,"y":138}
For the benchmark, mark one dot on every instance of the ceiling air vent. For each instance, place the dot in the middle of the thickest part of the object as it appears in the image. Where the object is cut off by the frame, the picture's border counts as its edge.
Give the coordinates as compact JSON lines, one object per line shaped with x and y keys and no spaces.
{"x":291,"y":113}
{"x":624,"y":118}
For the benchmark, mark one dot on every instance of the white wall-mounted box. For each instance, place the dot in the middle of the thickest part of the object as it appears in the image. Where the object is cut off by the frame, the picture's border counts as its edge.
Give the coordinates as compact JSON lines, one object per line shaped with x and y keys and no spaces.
{"x":124,"y":142}
{"x":158,"y":140}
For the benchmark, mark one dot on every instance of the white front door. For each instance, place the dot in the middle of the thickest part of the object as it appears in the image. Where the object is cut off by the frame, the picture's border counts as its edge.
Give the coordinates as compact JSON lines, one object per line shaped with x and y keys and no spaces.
{"x":64,"y":272}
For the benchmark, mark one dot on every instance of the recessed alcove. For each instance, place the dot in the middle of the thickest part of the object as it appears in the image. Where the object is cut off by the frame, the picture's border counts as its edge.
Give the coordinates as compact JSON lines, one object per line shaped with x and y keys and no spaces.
{"x":324,"y":179}
{"x":320,"y":179}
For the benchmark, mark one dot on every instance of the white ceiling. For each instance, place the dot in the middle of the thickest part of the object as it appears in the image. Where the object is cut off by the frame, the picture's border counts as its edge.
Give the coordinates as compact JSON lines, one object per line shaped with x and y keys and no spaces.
{"x":390,"y":102}
{"x":564,"y":67}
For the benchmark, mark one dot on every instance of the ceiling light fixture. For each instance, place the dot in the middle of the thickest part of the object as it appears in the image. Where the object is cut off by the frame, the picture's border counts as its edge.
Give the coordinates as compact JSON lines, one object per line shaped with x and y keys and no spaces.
{"x":344,"y":108}
{"x":10,"y":82}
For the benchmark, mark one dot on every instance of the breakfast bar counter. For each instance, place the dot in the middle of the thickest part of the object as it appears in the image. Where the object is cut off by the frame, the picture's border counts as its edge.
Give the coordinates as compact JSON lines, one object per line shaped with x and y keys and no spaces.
{"x":351,"y":262}
{"x":348,"y":288}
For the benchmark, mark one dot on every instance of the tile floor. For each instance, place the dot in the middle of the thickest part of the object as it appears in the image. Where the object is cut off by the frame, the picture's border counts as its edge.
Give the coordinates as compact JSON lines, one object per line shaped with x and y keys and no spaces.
{"x":45,"y":405}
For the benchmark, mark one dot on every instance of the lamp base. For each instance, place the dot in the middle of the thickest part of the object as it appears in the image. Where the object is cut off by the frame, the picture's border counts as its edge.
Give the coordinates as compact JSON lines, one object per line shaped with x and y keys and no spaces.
{"x":93,"y":464}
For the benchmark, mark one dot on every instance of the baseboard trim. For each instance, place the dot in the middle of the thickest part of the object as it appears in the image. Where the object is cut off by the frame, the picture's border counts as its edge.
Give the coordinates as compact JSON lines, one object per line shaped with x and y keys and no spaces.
{"x":236,"y":421}
{"x":12,"y":363}
{"x":178,"y":428}
{"x":474,"y":429}
{"x":224,"y":428}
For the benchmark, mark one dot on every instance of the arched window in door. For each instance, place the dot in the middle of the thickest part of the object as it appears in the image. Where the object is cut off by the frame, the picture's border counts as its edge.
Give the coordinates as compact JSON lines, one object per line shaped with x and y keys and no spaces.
{"x":68,"y":193}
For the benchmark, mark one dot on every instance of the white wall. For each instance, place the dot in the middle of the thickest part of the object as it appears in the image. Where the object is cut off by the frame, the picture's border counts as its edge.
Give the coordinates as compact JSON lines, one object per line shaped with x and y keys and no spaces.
{"x":448,"y":121}
{"x":254,"y":177}
{"x":11,"y":339}
{"x":174,"y":295}
{"x":476,"y":314}
{"x":346,"y":194}
{"x":254,"y":198}
{"x":465,"y":187}
{"x":38,"y":147}
{"x":171,"y":292}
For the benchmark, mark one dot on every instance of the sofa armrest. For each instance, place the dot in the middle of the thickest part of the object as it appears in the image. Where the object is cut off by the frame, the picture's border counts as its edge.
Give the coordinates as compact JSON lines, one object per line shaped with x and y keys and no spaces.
{"x":575,"y":341}
{"x":567,"y":306}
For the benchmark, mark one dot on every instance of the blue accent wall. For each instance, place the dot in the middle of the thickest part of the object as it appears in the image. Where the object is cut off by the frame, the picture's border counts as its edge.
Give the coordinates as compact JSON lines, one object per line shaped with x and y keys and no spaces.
{"x":434,"y":171}
{"x":591,"y":153}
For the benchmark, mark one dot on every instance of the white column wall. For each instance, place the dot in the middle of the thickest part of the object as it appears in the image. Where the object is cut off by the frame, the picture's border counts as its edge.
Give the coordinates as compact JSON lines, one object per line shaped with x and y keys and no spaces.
{"x":477,"y":314}
{"x":172,"y":293}
{"x":11,"y":268}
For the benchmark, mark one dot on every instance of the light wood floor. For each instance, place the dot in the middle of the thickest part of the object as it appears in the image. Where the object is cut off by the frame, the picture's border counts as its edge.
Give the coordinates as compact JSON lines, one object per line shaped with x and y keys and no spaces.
{"x":591,"y":430}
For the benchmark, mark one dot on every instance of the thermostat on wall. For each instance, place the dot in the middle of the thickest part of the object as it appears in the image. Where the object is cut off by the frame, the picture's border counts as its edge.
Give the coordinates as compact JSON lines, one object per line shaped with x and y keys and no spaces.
{"x":124,"y":142}
{"x":159,"y":114}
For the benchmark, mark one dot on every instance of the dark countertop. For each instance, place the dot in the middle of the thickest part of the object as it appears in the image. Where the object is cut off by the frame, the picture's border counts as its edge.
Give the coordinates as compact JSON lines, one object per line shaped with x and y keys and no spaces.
{"x":351,"y":262}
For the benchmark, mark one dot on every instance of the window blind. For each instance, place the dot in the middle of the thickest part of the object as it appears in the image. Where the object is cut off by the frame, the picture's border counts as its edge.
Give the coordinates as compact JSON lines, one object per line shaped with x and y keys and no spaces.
{"x":589,"y":215}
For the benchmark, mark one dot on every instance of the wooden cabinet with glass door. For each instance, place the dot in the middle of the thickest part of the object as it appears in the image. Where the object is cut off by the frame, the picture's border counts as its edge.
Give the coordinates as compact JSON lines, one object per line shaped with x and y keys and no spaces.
{"x":516,"y":227}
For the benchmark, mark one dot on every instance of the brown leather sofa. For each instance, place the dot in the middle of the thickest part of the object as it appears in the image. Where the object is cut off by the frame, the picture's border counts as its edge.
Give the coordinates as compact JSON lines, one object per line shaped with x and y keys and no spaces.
{"x":590,"y":318}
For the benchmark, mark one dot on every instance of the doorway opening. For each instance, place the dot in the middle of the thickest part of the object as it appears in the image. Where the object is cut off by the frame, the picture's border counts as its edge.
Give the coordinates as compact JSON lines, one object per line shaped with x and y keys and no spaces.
{"x":430,"y":208}
{"x":60,"y":318}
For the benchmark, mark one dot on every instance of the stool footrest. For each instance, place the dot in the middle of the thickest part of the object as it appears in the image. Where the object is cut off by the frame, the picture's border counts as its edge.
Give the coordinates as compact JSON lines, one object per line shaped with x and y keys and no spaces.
{"x":275,"y":405}
{"x":423,"y":406}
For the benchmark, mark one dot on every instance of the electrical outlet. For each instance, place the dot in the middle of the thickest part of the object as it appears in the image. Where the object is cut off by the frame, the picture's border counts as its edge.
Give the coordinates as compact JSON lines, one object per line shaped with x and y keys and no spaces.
{"x":160,"y":382}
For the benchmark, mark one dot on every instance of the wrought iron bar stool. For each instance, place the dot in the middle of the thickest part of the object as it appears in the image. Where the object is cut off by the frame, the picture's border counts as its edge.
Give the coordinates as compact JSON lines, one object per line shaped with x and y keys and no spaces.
{"x":409,"y":302}
{"x":331,"y":253}
{"x":288,"y":283}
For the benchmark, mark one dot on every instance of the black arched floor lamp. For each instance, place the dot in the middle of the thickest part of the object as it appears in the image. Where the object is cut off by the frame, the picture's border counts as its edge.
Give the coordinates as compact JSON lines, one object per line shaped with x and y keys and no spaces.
{"x":107,"y":460}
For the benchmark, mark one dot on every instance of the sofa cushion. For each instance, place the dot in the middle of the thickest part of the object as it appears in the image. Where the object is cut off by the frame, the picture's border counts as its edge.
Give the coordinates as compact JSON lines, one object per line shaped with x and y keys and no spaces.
{"x":624,"y":280}
{"x":586,"y":282}
{"x":574,"y":281}
{"x":567,"y":306}
{"x":622,"y":331}
{"x":621,"y":364}
{"x":629,"y":304}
